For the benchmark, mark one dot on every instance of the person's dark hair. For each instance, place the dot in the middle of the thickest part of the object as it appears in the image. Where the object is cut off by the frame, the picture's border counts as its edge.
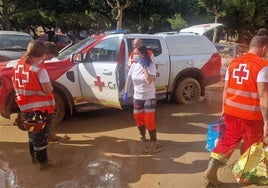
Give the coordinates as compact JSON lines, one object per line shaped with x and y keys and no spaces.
{"x":144,"y":51}
{"x":36,"y":48}
{"x":52,"y":48}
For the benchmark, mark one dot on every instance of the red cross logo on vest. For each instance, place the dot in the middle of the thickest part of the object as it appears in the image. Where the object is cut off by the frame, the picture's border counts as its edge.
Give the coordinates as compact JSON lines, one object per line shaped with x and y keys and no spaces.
{"x":99,"y":83}
{"x":21,"y":77}
{"x":241,"y":73}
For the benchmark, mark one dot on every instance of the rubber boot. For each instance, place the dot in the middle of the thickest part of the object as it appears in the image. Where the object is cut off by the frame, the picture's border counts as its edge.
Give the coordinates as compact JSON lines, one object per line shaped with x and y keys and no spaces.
{"x":42,"y":159}
{"x":142,"y":130}
{"x":32,"y":153}
{"x":152,"y":134}
{"x":211,"y":173}
{"x":155,"y":147}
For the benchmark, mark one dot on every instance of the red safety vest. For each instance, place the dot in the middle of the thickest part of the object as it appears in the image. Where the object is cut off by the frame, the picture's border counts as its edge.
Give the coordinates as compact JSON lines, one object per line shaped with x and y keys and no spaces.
{"x":30,"y":95}
{"x":242,"y":98}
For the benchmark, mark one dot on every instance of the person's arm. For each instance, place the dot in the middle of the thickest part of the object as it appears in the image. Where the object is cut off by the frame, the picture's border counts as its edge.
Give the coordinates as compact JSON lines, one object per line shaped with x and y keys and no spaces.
{"x":224,"y":97}
{"x":47,"y":87}
{"x":262,"y":84}
{"x":263,"y":93}
{"x":45,"y":81}
{"x":150,"y":74}
{"x":147,"y":76}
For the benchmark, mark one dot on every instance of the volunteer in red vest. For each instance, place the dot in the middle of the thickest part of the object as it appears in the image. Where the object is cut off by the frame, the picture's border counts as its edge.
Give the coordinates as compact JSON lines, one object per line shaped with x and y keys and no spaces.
{"x":35,"y":100}
{"x":245,"y":106}
{"x":143,"y":73}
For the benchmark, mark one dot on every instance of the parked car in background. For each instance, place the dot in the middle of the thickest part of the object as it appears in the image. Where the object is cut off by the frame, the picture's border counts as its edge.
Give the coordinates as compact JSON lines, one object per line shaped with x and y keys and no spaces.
{"x":13,"y":44}
{"x":61,"y":40}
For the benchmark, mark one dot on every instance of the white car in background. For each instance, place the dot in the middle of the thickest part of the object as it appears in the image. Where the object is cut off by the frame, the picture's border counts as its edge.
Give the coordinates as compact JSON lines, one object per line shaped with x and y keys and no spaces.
{"x":13,"y":44}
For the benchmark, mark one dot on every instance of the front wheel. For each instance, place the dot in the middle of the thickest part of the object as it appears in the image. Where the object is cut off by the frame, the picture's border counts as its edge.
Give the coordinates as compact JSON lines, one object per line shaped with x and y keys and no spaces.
{"x":187,"y":91}
{"x":60,"y":110}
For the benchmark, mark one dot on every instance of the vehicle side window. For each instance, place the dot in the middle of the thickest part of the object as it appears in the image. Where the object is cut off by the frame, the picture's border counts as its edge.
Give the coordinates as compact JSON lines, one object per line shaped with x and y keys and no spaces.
{"x":152,"y":44}
{"x":106,"y":50}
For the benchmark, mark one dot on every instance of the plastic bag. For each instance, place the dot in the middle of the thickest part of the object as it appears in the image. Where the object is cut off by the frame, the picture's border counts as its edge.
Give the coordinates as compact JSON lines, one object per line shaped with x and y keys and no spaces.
{"x":251,"y":167}
{"x":215,"y":131}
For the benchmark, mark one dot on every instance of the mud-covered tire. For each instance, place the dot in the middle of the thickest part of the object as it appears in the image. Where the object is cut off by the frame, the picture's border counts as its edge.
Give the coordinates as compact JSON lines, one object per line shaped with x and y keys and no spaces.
{"x":60,"y":110}
{"x":187,"y":91}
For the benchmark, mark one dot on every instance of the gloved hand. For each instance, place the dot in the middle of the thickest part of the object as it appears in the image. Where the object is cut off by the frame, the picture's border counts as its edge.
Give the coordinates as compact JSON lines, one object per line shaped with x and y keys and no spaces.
{"x":125,"y":97}
{"x":144,"y":63}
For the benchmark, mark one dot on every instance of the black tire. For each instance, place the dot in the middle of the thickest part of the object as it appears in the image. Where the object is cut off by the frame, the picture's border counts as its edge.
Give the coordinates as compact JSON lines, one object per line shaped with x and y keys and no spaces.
{"x":187,"y":91}
{"x":60,"y":110}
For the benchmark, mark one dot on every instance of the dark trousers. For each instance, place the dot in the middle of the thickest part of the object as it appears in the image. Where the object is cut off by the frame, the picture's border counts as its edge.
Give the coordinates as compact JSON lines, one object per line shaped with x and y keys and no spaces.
{"x":38,"y":141}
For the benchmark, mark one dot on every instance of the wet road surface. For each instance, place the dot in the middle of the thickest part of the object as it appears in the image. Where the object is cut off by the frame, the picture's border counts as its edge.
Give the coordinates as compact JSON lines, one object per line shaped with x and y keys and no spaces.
{"x":104,"y":150}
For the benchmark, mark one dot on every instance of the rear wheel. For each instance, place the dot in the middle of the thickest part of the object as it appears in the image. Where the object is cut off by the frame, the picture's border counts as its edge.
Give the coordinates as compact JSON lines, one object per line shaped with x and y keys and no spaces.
{"x":187,"y":91}
{"x":60,"y":110}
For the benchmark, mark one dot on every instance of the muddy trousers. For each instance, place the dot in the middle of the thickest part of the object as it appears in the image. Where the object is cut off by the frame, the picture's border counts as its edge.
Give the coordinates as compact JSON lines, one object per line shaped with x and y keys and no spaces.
{"x":144,"y":115}
{"x":237,"y":129}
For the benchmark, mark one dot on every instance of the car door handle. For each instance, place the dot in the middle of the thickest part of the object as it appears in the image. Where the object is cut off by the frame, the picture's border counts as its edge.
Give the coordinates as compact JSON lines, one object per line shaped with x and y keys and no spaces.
{"x":107,"y":72}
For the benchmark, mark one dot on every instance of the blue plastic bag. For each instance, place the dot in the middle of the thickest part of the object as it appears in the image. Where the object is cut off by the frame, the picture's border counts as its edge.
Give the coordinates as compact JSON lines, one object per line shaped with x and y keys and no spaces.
{"x":215,"y":131}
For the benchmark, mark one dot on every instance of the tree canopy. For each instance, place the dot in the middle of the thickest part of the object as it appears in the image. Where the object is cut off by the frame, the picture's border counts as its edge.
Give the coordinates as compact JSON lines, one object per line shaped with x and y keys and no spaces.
{"x":241,"y":18}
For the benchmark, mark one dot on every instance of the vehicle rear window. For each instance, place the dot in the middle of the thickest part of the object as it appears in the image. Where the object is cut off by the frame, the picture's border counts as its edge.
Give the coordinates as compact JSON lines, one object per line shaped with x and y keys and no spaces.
{"x":8,"y":42}
{"x":152,"y":44}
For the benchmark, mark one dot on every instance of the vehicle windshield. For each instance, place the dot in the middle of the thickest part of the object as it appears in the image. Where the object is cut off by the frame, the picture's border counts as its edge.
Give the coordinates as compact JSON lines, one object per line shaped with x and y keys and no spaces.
{"x":75,"y":48}
{"x":14,"y":42}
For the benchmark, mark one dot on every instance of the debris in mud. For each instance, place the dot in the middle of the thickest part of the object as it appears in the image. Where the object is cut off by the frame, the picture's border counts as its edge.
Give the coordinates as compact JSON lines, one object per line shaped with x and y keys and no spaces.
{"x":7,"y":176}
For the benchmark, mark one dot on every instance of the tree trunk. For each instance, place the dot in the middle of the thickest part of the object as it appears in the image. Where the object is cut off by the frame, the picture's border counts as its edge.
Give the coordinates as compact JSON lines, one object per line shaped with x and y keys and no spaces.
{"x":215,"y":29}
{"x":5,"y":17}
{"x":119,"y":18}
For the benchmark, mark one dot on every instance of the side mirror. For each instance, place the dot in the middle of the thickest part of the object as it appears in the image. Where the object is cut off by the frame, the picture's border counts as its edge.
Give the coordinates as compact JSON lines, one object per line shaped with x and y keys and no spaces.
{"x":77,"y":57}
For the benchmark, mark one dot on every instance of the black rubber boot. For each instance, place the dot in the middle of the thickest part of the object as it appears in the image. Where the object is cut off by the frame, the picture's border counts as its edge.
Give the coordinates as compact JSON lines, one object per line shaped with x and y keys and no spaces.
{"x":155,"y":146}
{"x":152,"y":134}
{"x":211,"y":173}
{"x":142,"y":130}
{"x":32,"y":153}
{"x":42,"y":159}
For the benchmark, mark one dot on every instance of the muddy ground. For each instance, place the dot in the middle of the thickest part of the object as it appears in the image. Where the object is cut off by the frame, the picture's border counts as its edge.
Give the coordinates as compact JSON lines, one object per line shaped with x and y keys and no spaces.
{"x":104,"y":150}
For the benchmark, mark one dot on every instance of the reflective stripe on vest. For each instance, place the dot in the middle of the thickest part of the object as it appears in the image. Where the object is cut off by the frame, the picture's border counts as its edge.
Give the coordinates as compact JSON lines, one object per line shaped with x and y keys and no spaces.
{"x":29,"y":93}
{"x":243,"y":106}
{"x":40,"y":104}
{"x":243,"y":93}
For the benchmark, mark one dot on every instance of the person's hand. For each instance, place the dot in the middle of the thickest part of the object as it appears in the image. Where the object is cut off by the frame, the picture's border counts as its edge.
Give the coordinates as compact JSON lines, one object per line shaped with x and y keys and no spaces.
{"x":265,"y":141}
{"x":144,"y":63}
{"x":125,"y":97}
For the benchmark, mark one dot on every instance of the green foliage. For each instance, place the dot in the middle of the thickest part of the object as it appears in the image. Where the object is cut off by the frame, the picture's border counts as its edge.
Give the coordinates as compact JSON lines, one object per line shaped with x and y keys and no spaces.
{"x":177,"y":22}
{"x":242,"y":18}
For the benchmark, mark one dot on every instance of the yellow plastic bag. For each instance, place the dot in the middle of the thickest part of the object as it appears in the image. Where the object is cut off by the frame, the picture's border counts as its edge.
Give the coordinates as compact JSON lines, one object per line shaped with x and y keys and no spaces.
{"x":251,"y":167}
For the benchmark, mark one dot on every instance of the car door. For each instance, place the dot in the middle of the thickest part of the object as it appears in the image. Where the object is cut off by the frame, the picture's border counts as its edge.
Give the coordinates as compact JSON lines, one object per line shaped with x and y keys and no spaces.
{"x":98,"y":74}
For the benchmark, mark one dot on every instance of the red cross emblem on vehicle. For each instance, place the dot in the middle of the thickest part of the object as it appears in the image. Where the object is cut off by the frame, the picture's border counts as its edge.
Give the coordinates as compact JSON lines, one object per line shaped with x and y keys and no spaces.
{"x":99,"y":83}
{"x":21,"y":76}
{"x":241,"y":73}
